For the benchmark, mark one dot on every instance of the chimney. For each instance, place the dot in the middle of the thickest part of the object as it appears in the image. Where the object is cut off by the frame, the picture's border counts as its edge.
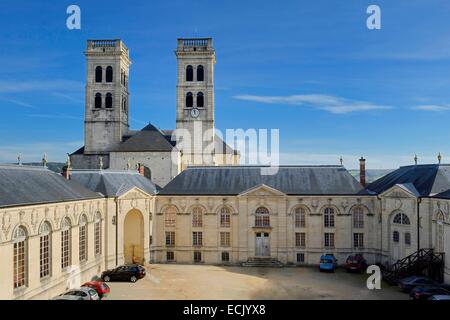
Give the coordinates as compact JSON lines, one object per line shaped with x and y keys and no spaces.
{"x":66,"y":172}
{"x":141,"y":169}
{"x":362,"y":171}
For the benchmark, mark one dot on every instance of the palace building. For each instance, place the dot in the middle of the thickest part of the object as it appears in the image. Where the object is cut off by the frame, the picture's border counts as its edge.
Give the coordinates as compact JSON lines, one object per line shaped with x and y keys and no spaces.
{"x":122,"y":198}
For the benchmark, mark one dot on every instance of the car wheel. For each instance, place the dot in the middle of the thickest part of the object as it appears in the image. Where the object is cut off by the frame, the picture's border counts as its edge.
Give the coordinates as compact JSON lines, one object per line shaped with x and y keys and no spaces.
{"x":133,"y":279}
{"x":106,"y":278}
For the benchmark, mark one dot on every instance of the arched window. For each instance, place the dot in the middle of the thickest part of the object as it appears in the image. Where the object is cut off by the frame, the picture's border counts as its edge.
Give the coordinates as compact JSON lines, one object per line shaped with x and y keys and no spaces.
{"x":189,"y":100}
{"x":200,"y":73}
{"x":225,"y":217}
{"x":20,"y":257}
{"x":83,"y":239}
{"x":98,"y":233}
{"x":108,"y":100}
{"x":262,"y":218}
{"x":440,"y":232}
{"x":197,"y":218}
{"x":200,"y":100}
{"x":300,"y":217}
{"x":98,"y":100}
{"x":328,"y":218}
{"x":189,"y":73}
{"x":401,"y":218}
{"x":124,"y":105}
{"x":396,"y":236}
{"x":358,"y":217}
{"x":45,"y":249}
{"x":98,"y":74}
{"x":171,"y":215}
{"x":66,"y":243}
{"x":109,"y":74}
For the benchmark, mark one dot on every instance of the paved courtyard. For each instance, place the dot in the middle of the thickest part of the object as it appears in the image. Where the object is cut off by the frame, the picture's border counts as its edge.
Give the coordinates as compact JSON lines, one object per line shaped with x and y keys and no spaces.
{"x":170,"y":281}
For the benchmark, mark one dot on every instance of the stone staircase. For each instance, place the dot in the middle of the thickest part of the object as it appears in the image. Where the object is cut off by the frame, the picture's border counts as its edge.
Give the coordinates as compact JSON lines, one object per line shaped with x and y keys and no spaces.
{"x":262,"y":263}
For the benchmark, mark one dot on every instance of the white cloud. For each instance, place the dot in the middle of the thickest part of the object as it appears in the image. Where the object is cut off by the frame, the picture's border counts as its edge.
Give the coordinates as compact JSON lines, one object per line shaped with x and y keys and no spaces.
{"x":433,"y":107}
{"x":52,"y":116}
{"x":19,"y":103}
{"x":68,"y":97}
{"x":33,"y":152}
{"x":333,"y":104}
{"x":39,"y":85}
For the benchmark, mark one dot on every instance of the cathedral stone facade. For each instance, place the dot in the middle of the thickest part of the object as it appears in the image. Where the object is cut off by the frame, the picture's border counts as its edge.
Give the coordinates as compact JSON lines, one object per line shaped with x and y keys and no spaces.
{"x":57,"y":231}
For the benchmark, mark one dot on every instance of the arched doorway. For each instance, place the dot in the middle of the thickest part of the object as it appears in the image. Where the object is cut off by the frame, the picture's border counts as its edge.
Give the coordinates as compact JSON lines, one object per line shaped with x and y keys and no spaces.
{"x":400,"y":236}
{"x":133,"y":237}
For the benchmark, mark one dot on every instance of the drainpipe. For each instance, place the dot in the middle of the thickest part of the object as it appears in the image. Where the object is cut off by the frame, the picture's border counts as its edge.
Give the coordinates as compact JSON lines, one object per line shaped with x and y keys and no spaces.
{"x":419,"y":200}
{"x":117,"y":230}
{"x":381,"y":227}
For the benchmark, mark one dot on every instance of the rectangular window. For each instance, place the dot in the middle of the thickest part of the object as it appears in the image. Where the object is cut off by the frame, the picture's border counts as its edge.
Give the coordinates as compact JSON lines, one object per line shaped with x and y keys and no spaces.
{"x":358,"y":240}
{"x":262,"y":221}
{"x":300,"y":257}
{"x":329,"y":240}
{"x":65,"y":248}
{"x":170,"y":238}
{"x":170,"y":256}
{"x":19,"y":264}
{"x":300,"y":218}
{"x":197,"y":256}
{"x":83,"y":243}
{"x":225,"y":256}
{"x":44,"y":256}
{"x":408,"y":238}
{"x":225,"y":220}
{"x":197,"y":239}
{"x":300,"y":239}
{"x":225,"y":239}
{"x":197,"y":221}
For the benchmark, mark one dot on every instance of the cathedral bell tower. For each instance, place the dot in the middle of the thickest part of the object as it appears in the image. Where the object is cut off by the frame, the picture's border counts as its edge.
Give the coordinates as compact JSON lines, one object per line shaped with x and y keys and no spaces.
{"x":195,"y":100}
{"x":107,"y":96}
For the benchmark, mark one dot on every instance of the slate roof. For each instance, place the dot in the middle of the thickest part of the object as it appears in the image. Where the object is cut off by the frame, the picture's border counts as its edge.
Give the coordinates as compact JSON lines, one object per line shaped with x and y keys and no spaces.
{"x":112,"y":183}
{"x":28,"y":185}
{"x":443,"y":195}
{"x":152,"y":139}
{"x":292,"y":180}
{"x":149,"y":138}
{"x":427,"y":179}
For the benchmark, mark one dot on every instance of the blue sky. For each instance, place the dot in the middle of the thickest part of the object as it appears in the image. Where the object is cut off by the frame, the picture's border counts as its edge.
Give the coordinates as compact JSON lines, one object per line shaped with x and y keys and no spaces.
{"x":309,"y":68}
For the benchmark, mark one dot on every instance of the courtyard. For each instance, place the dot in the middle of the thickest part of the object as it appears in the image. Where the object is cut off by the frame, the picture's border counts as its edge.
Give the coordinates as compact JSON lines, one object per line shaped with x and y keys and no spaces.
{"x":174,"y":281}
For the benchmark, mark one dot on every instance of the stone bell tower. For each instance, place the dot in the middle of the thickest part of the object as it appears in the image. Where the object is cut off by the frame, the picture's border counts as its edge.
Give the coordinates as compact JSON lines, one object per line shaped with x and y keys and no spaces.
{"x":107,"y":96}
{"x":195,"y":100}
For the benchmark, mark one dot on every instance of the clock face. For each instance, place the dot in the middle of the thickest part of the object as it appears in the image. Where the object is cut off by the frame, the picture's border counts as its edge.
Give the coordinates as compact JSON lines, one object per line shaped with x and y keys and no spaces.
{"x":195,"y":113}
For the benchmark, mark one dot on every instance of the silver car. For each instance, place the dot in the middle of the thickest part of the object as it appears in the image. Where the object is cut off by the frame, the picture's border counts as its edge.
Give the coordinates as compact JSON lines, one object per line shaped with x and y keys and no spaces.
{"x":83,"y":293}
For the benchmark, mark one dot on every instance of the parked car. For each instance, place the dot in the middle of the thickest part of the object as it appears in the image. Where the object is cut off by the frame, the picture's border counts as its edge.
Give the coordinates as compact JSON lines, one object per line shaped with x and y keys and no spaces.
{"x":409,"y":283}
{"x":129,"y":272}
{"x":423,"y":293}
{"x":328,"y":263}
{"x":356,"y":263}
{"x":83,"y":293}
{"x":99,"y":286}
{"x":439,"y":297}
